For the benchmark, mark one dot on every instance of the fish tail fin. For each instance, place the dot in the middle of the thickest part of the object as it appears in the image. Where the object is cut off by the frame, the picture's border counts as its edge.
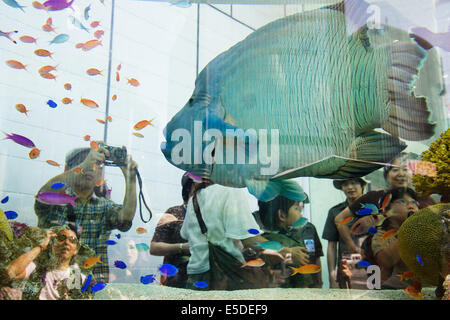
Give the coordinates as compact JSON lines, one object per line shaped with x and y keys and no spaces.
{"x":295,"y":270}
{"x":7,"y":135}
{"x":72,"y":201}
{"x":408,"y":114}
{"x":266,"y":190}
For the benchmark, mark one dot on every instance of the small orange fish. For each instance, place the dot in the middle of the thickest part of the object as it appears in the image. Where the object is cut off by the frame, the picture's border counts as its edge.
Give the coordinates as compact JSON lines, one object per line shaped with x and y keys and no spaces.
{"x":21,"y":108}
{"x":66,"y":100}
{"x":94,"y":145}
{"x":100,"y":182}
{"x":27,"y":39}
{"x":49,"y":21}
{"x":89,"y":103}
{"x":413,"y":293}
{"x":114,"y":97}
{"x":53,"y":163}
{"x":389,"y":234}
{"x":91,"y":262}
{"x":306,"y":269}
{"x":91,"y":44}
{"x":100,"y":121}
{"x":48,"y":75}
{"x":16,"y":64}
{"x":133,"y":82}
{"x":137,"y":134}
{"x":79,"y":45}
{"x":46,"y":69}
{"x":87,"y":137}
{"x":34,"y":153}
{"x":94,"y":166}
{"x":117,"y":77}
{"x":95,"y":24}
{"x":141,"y":230}
{"x":43,"y":53}
{"x":385,"y":202}
{"x":99,"y":33}
{"x":38,"y":5}
{"x":254,"y":263}
{"x":67,"y":86}
{"x":48,"y":28}
{"x":142,"y":124}
{"x":78,"y":170}
{"x":406,"y":275}
{"x":93,"y":72}
{"x":345,"y":221}
{"x":109,"y":118}
{"x":119,"y":67}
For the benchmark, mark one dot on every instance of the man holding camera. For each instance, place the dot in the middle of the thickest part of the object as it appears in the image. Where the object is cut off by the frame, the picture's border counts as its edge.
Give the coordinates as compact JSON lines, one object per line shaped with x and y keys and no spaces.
{"x":93,"y":215}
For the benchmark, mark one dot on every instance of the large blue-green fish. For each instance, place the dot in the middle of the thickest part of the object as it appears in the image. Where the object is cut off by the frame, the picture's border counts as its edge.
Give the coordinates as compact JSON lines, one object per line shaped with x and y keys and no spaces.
{"x":320,"y":89}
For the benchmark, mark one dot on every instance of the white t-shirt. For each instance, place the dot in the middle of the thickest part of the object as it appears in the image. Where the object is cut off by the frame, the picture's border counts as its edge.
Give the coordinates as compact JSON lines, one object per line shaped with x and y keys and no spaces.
{"x":227,"y":216}
{"x":54,"y":278}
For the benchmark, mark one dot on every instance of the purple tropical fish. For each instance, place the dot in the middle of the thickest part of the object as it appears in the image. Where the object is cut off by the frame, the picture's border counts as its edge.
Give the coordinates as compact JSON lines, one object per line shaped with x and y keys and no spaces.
{"x":55,"y":198}
{"x":19,"y":139}
{"x":55,"y":5}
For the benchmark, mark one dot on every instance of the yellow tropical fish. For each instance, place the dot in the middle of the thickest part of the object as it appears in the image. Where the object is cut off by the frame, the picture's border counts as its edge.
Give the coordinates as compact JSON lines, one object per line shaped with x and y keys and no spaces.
{"x":306,"y":269}
{"x":91,"y":262}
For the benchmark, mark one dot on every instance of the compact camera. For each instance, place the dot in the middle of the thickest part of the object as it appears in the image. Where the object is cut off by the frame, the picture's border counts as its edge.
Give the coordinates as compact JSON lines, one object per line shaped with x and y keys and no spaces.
{"x":117,"y":156}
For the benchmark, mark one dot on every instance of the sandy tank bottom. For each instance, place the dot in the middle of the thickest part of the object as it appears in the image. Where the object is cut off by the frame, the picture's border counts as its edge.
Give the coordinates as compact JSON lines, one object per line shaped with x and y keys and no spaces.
{"x":126,"y":291}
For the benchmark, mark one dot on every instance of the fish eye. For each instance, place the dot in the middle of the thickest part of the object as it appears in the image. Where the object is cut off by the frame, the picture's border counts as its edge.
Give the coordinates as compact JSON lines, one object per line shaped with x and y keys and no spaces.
{"x":191,"y":101}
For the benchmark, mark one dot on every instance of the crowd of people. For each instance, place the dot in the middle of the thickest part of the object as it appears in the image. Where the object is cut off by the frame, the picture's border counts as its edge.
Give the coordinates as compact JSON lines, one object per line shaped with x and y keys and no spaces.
{"x":213,"y":239}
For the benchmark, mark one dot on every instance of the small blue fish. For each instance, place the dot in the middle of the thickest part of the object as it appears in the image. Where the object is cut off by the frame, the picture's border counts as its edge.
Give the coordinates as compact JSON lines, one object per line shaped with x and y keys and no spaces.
{"x":87,"y":283}
{"x":118,"y":236}
{"x":253,"y":231}
{"x":120,"y":264}
{"x":5,"y":199}
{"x":86,"y":12}
{"x":364,"y":212}
{"x":58,"y":185}
{"x":14,"y":4}
{"x":98,"y":286}
{"x":142,"y":247}
{"x":110,"y":242}
{"x":363,"y":263}
{"x":168,"y":270}
{"x":11,"y":215}
{"x":148,"y":279}
{"x":419,"y":259}
{"x":201,"y":284}
{"x":372,"y":230}
{"x":371,"y":206}
{"x":182,"y":4}
{"x":78,"y":24}
{"x":272,"y":245}
{"x":60,"y":38}
{"x":300,"y":223}
{"x":52,"y":104}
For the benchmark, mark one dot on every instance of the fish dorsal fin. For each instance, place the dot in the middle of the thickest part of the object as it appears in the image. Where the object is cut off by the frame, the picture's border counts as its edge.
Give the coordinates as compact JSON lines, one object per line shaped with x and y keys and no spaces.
{"x":355,"y":12}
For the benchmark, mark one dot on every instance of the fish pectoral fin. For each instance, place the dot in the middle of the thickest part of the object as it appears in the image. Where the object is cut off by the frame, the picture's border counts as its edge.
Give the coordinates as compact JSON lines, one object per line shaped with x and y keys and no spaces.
{"x":408,"y":115}
{"x":318,"y":169}
{"x":266,"y":190}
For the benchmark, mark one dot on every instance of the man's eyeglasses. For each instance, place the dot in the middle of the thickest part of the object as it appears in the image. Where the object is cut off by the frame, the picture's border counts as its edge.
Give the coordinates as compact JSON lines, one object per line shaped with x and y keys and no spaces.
{"x":63,"y":237}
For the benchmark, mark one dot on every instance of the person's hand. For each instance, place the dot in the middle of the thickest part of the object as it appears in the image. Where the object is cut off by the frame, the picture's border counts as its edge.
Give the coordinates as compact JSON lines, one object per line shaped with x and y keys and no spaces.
{"x":346,"y":270}
{"x":130,"y":168}
{"x":95,"y":156}
{"x":300,"y":256}
{"x":44,"y":243}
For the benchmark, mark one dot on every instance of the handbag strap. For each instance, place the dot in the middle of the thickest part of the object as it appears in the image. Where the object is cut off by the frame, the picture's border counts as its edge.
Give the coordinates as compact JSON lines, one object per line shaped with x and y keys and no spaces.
{"x":198,"y":213}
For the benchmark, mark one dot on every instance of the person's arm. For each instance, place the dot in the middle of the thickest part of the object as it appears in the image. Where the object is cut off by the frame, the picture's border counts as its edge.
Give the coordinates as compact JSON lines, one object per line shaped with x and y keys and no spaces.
{"x":319,"y":275}
{"x":299,"y":255}
{"x":331,"y":261}
{"x":344,"y":230}
{"x":17,"y":269}
{"x":387,"y":258}
{"x":167,"y":249}
{"x":126,"y":214}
